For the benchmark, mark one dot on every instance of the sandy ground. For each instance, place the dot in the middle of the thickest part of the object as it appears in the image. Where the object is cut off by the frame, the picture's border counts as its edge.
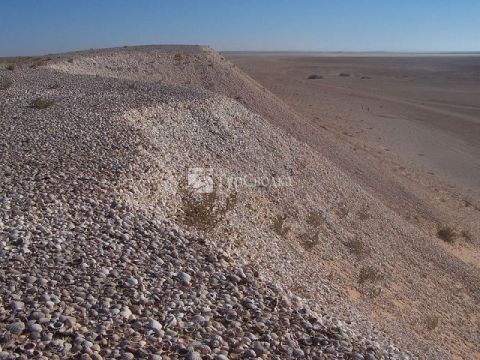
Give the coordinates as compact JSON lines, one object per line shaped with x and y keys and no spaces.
{"x":425,"y":110}
{"x":407,"y":128}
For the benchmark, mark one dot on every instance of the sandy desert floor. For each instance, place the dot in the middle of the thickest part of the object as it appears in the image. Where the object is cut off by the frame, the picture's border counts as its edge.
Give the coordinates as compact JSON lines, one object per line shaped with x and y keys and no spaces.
{"x":426,"y":110}
{"x":407,"y":128}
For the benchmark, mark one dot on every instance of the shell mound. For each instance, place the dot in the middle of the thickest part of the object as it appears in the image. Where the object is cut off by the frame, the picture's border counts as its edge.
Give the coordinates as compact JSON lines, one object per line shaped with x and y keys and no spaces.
{"x":153,"y":210}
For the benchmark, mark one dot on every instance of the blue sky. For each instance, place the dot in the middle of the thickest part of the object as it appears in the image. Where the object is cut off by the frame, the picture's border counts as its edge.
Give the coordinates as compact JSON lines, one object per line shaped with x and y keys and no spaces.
{"x":47,"y":26}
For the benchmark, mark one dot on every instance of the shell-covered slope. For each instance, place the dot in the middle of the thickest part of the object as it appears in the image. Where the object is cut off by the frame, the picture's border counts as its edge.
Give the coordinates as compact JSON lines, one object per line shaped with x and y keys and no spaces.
{"x":92,"y":267}
{"x":120,"y":151}
{"x":394,"y":273}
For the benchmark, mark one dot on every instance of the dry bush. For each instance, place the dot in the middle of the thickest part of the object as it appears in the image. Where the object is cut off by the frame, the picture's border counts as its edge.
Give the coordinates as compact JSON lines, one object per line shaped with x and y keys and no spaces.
{"x":315,"y":219}
{"x":41,"y":103}
{"x":357,"y":247}
{"x":467,"y":235}
{"x":363,"y":214}
{"x":38,"y":63}
{"x":431,"y":322}
{"x":369,"y":274}
{"x":178,"y":58}
{"x":203,"y":211}
{"x":70,"y":60}
{"x":342,"y":211}
{"x":344,"y":75}
{"x":315,"y":77}
{"x":5,"y":82}
{"x":309,"y":241}
{"x":278,"y":225}
{"x":447,"y":234}
{"x":11,"y":67}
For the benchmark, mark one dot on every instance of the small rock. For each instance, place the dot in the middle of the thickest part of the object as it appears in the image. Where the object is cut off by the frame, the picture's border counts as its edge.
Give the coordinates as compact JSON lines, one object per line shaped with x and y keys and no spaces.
{"x":35,"y":328}
{"x":16,"y":327}
{"x":18,"y":305}
{"x":298,"y":353}
{"x":184,"y":278}
{"x":193,"y":355}
{"x":154,"y":325}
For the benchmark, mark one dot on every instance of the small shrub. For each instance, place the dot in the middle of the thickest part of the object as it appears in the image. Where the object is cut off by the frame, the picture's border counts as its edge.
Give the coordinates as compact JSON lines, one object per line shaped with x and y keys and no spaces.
{"x":54,"y":86}
{"x":344,"y":75}
{"x":363,"y":214}
{"x":204,"y":211}
{"x":310,"y":240}
{"x":431,"y":323}
{"x":11,"y":67}
{"x":315,"y":219}
{"x":357,"y":247}
{"x":278,"y":225}
{"x":178,"y":58}
{"x":467,"y":235}
{"x":369,"y":274}
{"x":447,"y":234}
{"x":70,"y":60}
{"x":5,"y":82}
{"x":342,"y":212}
{"x":37,"y":63}
{"x":315,"y":77}
{"x":41,"y":103}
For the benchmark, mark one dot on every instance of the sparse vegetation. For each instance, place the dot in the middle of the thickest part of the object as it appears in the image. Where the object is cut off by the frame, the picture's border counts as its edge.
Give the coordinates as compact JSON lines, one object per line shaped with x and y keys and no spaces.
{"x":357,"y":247}
{"x":467,"y":235}
{"x":5,"y":82}
{"x":37,"y":63}
{"x":344,"y":74}
{"x":310,"y":240}
{"x":342,"y":211}
{"x":364,"y":214}
{"x":278,"y":225}
{"x":369,"y":274}
{"x":203,"y":211}
{"x":178,"y":58}
{"x":11,"y":67}
{"x":54,"y":86}
{"x":315,"y":219}
{"x":447,"y":234}
{"x":70,"y":60}
{"x":431,"y":322}
{"x":315,"y":77}
{"x":41,"y":103}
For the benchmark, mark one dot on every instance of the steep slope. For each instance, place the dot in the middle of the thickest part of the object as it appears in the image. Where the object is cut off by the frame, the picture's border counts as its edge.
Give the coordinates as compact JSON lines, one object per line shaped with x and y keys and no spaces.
{"x":112,"y":154}
{"x":431,"y":294}
{"x":91,"y":269}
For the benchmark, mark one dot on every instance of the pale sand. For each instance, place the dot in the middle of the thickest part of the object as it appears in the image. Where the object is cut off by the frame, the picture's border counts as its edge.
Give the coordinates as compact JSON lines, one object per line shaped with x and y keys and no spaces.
{"x":424,"y":109}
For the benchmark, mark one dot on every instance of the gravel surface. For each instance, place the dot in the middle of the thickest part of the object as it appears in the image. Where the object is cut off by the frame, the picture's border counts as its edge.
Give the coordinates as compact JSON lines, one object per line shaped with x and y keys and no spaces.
{"x":100,"y":259}
{"x":86,"y":274}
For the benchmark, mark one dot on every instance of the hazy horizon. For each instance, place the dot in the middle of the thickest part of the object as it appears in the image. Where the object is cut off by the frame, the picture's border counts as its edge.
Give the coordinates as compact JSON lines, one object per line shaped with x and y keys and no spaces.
{"x":35,"y":28}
